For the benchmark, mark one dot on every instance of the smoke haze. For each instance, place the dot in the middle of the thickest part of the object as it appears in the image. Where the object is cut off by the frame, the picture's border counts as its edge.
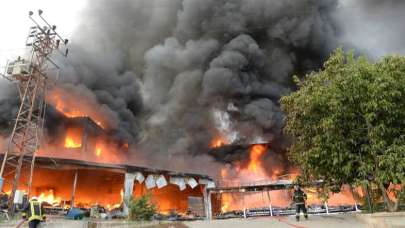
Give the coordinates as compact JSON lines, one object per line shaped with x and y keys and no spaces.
{"x":372,"y":27}
{"x":158,"y":71}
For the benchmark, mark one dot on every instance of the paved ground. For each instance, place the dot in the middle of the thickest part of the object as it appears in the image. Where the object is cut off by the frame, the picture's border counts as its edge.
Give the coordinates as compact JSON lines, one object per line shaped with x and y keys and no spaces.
{"x":315,"y":221}
{"x":378,"y":220}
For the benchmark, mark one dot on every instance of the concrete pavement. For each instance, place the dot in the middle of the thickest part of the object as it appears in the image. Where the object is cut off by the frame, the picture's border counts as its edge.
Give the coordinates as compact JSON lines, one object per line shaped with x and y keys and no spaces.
{"x":314,"y":221}
{"x":377,"y":220}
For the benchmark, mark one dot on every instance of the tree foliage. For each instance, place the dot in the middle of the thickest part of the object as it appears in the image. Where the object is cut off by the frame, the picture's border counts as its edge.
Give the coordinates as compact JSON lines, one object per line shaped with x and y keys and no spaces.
{"x":348,"y":121}
{"x":141,"y":209}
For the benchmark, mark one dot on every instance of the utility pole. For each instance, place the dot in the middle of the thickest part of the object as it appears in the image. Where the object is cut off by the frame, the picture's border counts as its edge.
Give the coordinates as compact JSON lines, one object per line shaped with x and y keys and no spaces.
{"x":31,"y":78}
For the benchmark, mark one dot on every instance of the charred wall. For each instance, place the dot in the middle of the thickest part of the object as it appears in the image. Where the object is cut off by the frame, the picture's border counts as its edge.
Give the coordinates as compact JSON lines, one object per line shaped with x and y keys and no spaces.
{"x":82,"y":139}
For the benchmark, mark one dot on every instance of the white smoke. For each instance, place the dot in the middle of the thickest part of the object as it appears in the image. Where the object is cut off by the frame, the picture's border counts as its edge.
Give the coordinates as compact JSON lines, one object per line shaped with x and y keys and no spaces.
{"x":224,"y":125}
{"x":372,"y":27}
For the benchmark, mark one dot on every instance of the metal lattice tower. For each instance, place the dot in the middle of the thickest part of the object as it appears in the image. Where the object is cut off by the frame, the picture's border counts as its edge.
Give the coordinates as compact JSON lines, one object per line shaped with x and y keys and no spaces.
{"x":31,"y":79}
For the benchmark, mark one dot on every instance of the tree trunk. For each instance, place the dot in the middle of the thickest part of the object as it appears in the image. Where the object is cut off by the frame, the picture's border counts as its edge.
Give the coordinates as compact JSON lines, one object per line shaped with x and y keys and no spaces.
{"x":400,"y":194}
{"x":356,"y":195}
{"x":391,"y":206}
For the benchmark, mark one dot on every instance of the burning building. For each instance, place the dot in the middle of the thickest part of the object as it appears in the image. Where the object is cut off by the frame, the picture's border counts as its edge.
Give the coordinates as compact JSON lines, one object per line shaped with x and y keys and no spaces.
{"x":81,"y":138}
{"x":195,"y":81}
{"x":81,"y":166}
{"x":66,"y":182}
{"x":262,"y":186}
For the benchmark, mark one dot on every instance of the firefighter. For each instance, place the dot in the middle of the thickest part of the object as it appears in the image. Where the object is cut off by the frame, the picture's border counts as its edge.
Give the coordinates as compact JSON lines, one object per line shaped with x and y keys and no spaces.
{"x":33,"y":212}
{"x":299,"y":198}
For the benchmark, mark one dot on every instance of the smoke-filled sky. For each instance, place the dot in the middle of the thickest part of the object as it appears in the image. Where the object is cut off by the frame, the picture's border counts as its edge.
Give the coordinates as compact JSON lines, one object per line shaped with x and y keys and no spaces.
{"x":169,"y":76}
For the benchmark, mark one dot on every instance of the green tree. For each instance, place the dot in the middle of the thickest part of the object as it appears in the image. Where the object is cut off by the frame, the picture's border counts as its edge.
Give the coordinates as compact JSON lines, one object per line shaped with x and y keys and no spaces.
{"x":348,"y":121}
{"x":141,"y":209}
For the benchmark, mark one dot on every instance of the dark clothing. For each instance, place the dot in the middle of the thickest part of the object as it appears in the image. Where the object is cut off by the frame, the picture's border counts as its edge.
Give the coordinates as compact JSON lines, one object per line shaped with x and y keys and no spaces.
{"x":34,"y":213}
{"x":298,"y":209}
{"x":33,"y":223}
{"x":299,"y":198}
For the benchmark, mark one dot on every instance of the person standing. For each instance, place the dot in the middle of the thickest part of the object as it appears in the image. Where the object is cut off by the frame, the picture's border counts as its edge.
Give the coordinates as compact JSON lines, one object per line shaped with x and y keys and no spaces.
{"x":299,"y":199}
{"x":33,"y":211}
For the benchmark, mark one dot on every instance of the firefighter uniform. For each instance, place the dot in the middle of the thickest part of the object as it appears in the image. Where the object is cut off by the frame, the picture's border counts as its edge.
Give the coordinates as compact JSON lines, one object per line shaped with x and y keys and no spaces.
{"x":299,"y":198}
{"x":34,"y":213}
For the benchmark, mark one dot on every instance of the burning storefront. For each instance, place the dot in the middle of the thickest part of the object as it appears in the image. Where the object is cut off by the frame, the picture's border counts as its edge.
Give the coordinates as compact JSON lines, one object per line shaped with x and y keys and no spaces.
{"x":64,"y":182}
{"x":81,"y":166}
{"x":263,"y":186}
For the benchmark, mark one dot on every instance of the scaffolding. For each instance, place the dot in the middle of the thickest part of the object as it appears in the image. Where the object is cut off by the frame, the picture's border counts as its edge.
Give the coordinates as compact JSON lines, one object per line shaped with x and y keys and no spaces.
{"x":30,"y":76}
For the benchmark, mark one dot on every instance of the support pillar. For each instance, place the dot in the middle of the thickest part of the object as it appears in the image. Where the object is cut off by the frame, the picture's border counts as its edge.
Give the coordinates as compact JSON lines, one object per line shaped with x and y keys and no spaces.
{"x":128,"y":189}
{"x":207,"y":203}
{"x":244,"y":206}
{"x":326,"y":207}
{"x":72,"y":199}
{"x":270,"y":206}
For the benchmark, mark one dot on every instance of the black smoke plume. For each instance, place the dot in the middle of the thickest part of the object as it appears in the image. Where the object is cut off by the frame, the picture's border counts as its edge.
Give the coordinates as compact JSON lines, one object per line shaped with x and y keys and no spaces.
{"x":172,"y":75}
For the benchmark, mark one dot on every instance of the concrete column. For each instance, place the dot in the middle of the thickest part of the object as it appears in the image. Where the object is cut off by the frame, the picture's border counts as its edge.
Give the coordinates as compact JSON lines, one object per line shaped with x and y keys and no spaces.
{"x":326,"y":207}
{"x":128,"y":189}
{"x":244,"y":206}
{"x":72,"y":199}
{"x":207,"y":203}
{"x":85,"y":136}
{"x":356,"y":206}
{"x":270,"y":206}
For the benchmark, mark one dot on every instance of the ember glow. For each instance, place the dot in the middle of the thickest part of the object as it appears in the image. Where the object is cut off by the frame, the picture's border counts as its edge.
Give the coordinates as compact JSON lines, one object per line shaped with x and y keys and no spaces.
{"x":100,"y":147}
{"x":86,"y":126}
{"x":72,"y":106}
{"x":254,"y":171}
{"x":218,"y":142}
{"x":256,"y":154}
{"x":94,"y":187}
{"x":226,"y":201}
{"x":49,"y":197}
{"x":98,"y":152}
{"x":73,"y":138}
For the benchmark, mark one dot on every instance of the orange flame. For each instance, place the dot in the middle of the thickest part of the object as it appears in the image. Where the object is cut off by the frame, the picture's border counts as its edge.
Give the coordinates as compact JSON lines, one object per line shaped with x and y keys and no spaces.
{"x":73,"y":138}
{"x":98,"y":152}
{"x":256,"y":153}
{"x":218,"y":142}
{"x":224,"y":173}
{"x":69,"y":105}
{"x":226,"y":201}
{"x":101,"y":146}
{"x":254,"y":171}
{"x":49,"y":197}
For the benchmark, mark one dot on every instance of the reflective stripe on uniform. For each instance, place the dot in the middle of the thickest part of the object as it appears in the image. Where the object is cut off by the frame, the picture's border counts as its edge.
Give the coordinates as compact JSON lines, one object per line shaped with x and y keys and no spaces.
{"x":35,"y":209}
